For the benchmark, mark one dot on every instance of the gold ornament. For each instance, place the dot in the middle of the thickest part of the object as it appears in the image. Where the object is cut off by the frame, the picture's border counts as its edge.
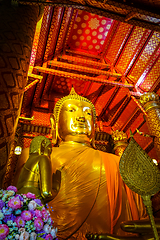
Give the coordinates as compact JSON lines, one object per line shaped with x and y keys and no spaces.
{"x":148,"y":97}
{"x":141,"y":175}
{"x":120,"y":142}
{"x":119,"y":136}
{"x":151,"y":105}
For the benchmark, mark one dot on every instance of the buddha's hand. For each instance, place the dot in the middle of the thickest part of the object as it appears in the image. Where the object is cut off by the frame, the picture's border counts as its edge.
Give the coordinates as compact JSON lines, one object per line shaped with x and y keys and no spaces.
{"x":56,"y":181}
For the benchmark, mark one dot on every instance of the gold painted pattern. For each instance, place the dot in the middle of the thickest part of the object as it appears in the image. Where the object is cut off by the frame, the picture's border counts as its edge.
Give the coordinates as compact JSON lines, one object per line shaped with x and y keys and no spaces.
{"x":64,"y":28}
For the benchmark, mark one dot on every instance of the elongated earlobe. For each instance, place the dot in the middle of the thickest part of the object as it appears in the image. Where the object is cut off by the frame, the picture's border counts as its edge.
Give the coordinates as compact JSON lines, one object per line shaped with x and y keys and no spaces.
{"x":93,"y":138}
{"x":54,"y":129}
{"x":93,"y":142}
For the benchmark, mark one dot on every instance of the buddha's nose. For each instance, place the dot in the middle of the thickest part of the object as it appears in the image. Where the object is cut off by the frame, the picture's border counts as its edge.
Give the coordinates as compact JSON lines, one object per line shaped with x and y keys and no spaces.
{"x":80,"y":115}
{"x":80,"y":119}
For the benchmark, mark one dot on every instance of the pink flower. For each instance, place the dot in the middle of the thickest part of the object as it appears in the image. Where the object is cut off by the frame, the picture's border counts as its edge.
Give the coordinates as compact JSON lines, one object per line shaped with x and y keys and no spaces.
{"x":12,"y":188}
{"x":26,"y":215}
{"x":20,"y":221}
{"x":38,"y":213}
{"x":38,"y":224}
{"x":24,"y":236}
{"x":47,"y":228}
{"x":49,"y":237}
{"x":45,"y":215}
{"x":4,"y":230}
{"x":30,"y":195}
{"x":32,"y":205}
{"x":14,"y":203}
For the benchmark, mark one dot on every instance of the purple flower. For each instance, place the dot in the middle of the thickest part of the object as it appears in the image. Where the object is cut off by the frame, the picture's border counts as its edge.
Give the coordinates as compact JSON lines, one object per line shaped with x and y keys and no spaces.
{"x":2,"y":204}
{"x":33,"y":213}
{"x":9,"y":217}
{"x":38,"y":201}
{"x":20,"y":197}
{"x":26,"y":215}
{"x":20,"y":221}
{"x":12,"y":188}
{"x":49,"y":237}
{"x":14,"y":203}
{"x":38,"y":224}
{"x":17,"y":209}
{"x":45,"y":215}
{"x":41,"y":233}
{"x":30,"y":195}
{"x":4,"y":230}
{"x":38,"y":213}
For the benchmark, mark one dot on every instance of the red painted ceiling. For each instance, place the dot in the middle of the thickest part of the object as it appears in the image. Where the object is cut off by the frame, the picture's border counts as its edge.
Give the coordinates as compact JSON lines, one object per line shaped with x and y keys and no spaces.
{"x":108,"y":50}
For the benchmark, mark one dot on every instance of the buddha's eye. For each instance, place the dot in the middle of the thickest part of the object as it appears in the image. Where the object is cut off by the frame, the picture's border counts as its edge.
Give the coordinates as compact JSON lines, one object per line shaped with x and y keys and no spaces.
{"x":71,"y":110}
{"x":88,"y":112}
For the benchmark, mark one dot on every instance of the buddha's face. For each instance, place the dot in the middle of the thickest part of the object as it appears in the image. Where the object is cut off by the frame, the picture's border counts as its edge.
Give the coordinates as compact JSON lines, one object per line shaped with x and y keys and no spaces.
{"x":45,"y":149}
{"x":76,"y":120}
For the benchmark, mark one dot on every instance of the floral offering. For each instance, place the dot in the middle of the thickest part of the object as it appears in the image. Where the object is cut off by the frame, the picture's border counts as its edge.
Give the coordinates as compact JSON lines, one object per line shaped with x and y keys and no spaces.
{"x":23,"y":216}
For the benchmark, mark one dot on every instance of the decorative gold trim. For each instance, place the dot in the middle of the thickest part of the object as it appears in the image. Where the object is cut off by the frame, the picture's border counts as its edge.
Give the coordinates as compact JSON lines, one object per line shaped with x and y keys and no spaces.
{"x":72,"y":95}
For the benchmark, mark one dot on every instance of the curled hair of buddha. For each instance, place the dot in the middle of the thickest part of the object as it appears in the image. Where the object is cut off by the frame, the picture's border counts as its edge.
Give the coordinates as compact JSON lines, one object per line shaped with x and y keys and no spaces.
{"x":36,"y":144}
{"x":75,"y":96}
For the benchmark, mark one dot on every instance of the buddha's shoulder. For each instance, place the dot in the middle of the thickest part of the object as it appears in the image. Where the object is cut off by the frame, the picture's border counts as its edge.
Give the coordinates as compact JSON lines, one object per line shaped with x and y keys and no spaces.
{"x":109,"y":156}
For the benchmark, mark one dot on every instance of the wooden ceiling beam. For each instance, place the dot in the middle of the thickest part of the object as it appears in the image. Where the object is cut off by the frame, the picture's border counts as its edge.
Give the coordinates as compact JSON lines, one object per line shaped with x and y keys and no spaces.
{"x":81,"y":54}
{"x":84,"y":61}
{"x":110,"y":9}
{"x":82,"y":77}
{"x":83,"y":69}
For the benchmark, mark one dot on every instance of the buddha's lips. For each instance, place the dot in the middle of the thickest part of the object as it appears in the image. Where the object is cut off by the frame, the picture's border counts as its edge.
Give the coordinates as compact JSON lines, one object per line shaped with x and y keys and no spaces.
{"x":80,"y":125}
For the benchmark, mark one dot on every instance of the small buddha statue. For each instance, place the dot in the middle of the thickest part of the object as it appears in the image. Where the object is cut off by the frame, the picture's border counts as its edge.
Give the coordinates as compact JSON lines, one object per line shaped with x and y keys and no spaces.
{"x":36,"y":174}
{"x":92,"y":197}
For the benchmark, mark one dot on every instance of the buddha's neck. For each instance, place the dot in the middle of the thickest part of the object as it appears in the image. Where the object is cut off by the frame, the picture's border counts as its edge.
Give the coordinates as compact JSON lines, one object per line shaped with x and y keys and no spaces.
{"x":82,"y":139}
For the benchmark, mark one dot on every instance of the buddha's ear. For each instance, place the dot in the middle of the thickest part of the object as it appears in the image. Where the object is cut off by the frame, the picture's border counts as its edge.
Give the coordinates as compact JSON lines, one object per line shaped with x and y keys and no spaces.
{"x":52,"y":121}
{"x":93,"y":138}
{"x":53,"y":129}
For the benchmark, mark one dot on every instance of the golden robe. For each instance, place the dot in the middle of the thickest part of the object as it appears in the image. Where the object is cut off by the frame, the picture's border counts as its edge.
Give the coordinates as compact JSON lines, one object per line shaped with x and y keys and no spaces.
{"x":92,"y":197}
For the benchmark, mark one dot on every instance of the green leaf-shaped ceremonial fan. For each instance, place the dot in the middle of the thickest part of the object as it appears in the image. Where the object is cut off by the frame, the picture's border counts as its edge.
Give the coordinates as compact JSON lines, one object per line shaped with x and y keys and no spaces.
{"x":141,"y":175}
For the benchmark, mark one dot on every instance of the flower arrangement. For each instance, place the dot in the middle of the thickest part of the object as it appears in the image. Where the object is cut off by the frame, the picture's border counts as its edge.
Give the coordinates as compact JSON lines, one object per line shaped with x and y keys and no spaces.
{"x":23,"y":216}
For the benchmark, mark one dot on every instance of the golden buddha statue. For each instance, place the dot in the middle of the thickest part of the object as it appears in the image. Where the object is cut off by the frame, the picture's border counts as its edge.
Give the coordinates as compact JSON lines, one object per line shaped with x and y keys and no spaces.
{"x":36,"y":174}
{"x":92,"y":197}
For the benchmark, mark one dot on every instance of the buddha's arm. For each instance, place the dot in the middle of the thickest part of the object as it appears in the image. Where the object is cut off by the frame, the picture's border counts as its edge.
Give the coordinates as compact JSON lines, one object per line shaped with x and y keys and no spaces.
{"x":45,"y":171}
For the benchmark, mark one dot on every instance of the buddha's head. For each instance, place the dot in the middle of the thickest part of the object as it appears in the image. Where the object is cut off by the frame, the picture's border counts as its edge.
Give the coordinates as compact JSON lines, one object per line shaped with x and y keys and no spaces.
{"x":73,"y":119}
{"x":41,"y":145}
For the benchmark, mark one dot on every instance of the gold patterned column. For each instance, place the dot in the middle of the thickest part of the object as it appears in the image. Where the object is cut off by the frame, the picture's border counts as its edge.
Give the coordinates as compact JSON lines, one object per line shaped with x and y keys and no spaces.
{"x":120,"y":142}
{"x":150,"y":103}
{"x":17,"y":27}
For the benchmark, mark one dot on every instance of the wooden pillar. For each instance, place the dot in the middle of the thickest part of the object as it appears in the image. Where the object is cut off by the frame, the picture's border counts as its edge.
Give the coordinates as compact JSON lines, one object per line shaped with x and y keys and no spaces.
{"x":151,"y":104}
{"x":17,"y":27}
